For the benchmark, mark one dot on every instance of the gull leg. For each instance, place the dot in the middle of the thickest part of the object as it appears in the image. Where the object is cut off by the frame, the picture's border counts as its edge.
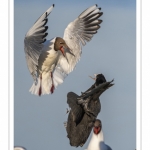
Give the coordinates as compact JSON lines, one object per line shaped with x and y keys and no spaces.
{"x":52,"y":87}
{"x":40,"y":89}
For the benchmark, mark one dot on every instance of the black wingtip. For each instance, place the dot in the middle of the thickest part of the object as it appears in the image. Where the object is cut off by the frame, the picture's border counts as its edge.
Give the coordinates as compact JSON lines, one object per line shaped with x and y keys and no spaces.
{"x":96,"y":5}
{"x":53,"y":5}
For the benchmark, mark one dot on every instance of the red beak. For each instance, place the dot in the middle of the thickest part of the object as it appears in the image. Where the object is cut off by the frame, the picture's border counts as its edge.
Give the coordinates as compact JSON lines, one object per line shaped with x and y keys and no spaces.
{"x":62,"y":50}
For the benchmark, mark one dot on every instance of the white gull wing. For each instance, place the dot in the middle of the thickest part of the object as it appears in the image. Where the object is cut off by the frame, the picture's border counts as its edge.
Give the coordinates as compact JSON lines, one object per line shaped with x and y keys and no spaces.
{"x":33,"y":42}
{"x":77,"y":33}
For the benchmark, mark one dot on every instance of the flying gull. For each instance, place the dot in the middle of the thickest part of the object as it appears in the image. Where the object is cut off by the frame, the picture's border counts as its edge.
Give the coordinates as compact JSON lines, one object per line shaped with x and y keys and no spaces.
{"x":50,"y":61}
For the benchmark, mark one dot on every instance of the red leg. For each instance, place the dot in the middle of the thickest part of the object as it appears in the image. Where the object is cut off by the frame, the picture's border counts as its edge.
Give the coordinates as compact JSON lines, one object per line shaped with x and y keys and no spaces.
{"x":40,"y":89}
{"x":52,"y":87}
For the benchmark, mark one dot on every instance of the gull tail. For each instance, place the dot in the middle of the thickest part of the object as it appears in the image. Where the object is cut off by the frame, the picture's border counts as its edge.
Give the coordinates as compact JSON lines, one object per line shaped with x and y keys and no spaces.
{"x":44,"y":85}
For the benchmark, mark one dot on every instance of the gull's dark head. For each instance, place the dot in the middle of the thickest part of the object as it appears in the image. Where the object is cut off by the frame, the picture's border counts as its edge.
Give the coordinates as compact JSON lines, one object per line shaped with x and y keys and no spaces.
{"x":61,"y":45}
{"x":97,"y":126}
{"x":100,"y":79}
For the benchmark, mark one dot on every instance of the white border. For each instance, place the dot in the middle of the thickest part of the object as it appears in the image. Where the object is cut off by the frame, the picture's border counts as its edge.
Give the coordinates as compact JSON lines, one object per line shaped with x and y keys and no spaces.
{"x":4,"y":84}
{"x":141,"y":62}
{"x":145,"y":102}
{"x":11,"y":75}
{"x":138,"y":76}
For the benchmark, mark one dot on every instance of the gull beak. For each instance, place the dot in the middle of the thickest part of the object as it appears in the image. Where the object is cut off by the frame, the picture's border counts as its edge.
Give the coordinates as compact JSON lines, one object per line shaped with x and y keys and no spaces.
{"x":95,"y":75}
{"x":92,"y":78}
{"x":63,"y":52}
{"x":70,"y":51}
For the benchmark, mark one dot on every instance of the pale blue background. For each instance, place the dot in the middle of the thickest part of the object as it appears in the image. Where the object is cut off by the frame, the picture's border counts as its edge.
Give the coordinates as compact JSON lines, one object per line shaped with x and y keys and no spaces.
{"x":112,"y":51}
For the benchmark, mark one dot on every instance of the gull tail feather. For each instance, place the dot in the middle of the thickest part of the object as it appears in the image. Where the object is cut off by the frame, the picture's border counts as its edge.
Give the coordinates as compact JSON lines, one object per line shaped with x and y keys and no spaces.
{"x":43,"y":86}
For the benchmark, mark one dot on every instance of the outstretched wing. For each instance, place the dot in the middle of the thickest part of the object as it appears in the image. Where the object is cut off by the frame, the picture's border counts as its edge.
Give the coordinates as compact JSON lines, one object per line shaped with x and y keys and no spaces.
{"x":77,"y":33}
{"x":33,"y":42}
{"x":94,"y":93}
{"x":76,"y":110}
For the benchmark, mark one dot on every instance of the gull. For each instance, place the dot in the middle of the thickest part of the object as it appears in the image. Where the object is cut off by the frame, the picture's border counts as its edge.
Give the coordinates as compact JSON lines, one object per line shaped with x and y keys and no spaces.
{"x":97,"y":140}
{"x":50,"y":61}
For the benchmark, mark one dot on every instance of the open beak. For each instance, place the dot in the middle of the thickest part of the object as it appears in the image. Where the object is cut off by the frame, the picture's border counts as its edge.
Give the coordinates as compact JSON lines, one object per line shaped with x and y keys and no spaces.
{"x":70,"y":51}
{"x":92,"y":78}
{"x":63,"y":52}
{"x":95,"y":75}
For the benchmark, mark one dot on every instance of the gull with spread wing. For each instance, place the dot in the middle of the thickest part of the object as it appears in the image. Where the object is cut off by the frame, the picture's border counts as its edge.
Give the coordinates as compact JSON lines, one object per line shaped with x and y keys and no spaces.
{"x":50,"y":61}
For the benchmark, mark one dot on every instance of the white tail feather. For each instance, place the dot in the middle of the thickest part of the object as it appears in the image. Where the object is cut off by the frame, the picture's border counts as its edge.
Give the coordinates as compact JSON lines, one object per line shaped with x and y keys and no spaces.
{"x":58,"y":77}
{"x":46,"y":82}
{"x":35,"y":87}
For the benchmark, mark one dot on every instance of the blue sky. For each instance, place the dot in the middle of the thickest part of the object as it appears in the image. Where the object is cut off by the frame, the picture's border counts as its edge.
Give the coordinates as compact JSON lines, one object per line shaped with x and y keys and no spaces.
{"x":112,"y":51}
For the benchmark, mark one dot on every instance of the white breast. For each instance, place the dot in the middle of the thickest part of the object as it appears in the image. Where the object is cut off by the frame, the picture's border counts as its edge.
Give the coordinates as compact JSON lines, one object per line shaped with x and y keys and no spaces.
{"x":48,"y":57}
{"x":95,"y":141}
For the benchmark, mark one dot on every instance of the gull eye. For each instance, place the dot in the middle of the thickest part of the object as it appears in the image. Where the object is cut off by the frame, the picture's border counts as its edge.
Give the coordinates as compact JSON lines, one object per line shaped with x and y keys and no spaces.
{"x":61,"y":43}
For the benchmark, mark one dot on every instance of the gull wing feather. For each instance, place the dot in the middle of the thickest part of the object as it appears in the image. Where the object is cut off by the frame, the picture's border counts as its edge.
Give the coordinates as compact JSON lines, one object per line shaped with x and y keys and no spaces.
{"x":77,"y":33}
{"x":33,"y":42}
{"x":77,"y":110}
